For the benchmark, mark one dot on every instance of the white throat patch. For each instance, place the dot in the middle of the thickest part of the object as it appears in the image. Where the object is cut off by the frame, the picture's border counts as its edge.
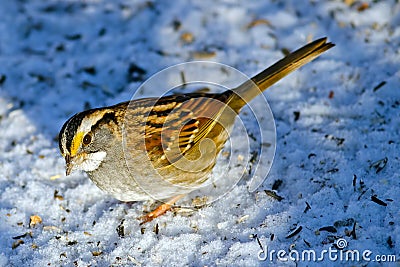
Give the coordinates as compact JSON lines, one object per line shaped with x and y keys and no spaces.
{"x":91,"y":161}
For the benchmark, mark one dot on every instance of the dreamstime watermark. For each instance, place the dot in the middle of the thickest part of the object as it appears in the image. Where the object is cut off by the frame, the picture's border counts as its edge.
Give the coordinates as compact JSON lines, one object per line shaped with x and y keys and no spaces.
{"x":332,"y":254}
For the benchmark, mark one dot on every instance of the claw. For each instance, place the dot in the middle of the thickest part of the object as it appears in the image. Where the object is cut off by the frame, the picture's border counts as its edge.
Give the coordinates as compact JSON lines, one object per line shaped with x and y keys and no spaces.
{"x":160,"y":210}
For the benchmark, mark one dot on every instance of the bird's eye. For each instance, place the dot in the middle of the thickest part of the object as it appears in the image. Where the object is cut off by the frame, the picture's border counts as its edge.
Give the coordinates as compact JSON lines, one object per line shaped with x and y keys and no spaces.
{"x":87,"y":139}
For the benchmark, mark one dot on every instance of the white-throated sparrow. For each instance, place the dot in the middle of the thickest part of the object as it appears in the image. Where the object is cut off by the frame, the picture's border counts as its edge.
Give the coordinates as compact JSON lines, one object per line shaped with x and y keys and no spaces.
{"x":164,"y":147}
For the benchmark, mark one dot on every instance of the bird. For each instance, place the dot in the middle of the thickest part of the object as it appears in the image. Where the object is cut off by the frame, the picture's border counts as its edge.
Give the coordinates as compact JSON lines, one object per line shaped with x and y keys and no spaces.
{"x":164,"y":148}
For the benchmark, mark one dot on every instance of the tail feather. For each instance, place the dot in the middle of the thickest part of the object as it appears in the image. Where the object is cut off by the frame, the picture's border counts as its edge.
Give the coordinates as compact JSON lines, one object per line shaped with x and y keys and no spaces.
{"x":247,"y":91}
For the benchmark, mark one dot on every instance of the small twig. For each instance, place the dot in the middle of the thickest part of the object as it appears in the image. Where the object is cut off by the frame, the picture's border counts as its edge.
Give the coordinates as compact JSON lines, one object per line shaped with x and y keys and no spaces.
{"x":376,"y":88}
{"x":378,"y":201}
{"x":295,"y":232}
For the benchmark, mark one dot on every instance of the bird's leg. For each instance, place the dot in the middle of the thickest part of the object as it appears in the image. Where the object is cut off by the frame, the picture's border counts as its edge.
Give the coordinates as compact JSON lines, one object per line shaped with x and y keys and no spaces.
{"x":160,"y":210}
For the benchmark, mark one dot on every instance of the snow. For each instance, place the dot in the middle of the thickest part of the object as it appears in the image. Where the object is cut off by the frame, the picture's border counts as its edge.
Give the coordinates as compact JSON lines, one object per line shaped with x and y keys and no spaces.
{"x":59,"y":57}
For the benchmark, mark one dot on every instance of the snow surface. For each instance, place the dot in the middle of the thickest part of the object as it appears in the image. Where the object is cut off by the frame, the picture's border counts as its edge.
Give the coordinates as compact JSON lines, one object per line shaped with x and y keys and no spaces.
{"x":337,"y":119}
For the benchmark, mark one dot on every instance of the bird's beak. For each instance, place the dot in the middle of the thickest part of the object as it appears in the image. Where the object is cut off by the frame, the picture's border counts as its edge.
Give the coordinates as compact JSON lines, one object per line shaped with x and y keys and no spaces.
{"x":68,"y":165}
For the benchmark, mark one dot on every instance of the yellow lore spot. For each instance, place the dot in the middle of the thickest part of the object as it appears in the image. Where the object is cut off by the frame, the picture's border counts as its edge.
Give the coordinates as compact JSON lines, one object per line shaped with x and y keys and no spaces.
{"x":76,"y":142}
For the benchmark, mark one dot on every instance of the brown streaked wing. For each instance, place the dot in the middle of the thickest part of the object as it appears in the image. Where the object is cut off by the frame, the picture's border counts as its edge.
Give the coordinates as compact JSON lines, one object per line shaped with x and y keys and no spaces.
{"x":176,"y":124}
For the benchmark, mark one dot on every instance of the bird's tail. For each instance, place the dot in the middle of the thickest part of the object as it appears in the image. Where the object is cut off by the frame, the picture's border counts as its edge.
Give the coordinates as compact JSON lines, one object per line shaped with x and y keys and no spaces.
{"x":247,"y":91}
